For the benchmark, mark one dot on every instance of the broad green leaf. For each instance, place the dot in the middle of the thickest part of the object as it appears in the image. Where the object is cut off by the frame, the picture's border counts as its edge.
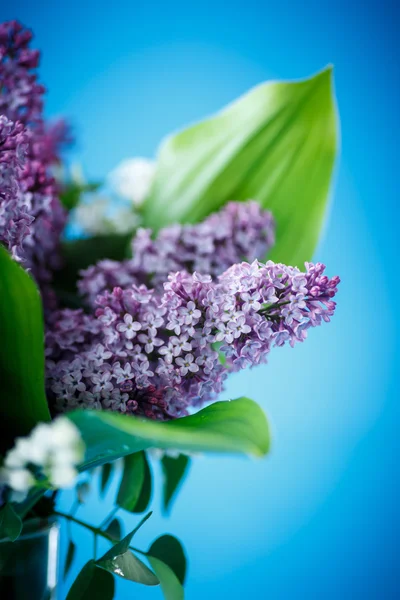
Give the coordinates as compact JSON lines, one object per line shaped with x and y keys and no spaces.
{"x":120,"y":561}
{"x":114,"y":529}
{"x":21,"y":352}
{"x":171,"y":586}
{"x":69,"y":558}
{"x":169,"y":549}
{"x":276,"y":144}
{"x":174,"y":470}
{"x":106,"y":472}
{"x":92,"y":582}
{"x":132,"y":481}
{"x":239,"y":426}
{"x":10,"y":523}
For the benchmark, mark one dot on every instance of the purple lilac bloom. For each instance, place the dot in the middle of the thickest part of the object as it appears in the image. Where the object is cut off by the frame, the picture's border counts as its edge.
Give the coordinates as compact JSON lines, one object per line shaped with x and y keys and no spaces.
{"x":21,"y":101}
{"x":157,"y":353}
{"x":240,"y":231}
{"x":15,"y":219}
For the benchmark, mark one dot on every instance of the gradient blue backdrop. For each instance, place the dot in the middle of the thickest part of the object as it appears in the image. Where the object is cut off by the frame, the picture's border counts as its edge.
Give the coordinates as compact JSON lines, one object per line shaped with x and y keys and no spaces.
{"x":318,"y":518}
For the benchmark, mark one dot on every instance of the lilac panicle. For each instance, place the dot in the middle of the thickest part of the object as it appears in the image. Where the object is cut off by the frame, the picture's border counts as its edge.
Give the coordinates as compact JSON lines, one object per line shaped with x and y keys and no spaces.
{"x":157,"y":353}
{"x":239,"y":231}
{"x":34,"y":237}
{"x":15,"y":219}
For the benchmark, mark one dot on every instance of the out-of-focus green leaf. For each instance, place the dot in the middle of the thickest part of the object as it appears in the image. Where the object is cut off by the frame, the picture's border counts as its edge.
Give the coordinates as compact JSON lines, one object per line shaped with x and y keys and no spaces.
{"x":71,"y":193}
{"x":132,"y":481}
{"x":106,"y":472}
{"x":169,"y":549}
{"x":171,"y":586}
{"x":174,"y":470}
{"x":82,"y":491}
{"x":69,"y":558}
{"x":239,"y":426}
{"x":10,"y":523}
{"x":120,"y":561}
{"x":80,"y":254}
{"x":92,"y":583}
{"x":114,"y":529}
{"x":276,"y":144}
{"x":21,"y":352}
{"x":146,"y":490}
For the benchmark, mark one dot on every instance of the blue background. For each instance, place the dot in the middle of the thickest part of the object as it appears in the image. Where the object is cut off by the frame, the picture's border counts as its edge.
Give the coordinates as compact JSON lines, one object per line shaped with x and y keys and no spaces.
{"x":319,"y":517}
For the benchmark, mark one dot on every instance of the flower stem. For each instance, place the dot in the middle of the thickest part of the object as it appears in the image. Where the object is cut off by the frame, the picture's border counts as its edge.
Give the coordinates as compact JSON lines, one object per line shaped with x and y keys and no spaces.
{"x":95,"y":530}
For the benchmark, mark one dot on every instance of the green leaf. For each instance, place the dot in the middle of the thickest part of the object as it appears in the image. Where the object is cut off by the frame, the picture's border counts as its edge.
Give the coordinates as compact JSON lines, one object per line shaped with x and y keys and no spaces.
{"x":82,"y":491}
{"x":132,"y":481}
{"x":120,"y":560}
{"x":21,"y":352}
{"x":276,"y":144}
{"x":72,"y":192}
{"x":174,"y":470}
{"x":123,"y":545}
{"x":69,"y":558}
{"x":10,"y":523}
{"x":92,"y":582}
{"x":114,"y":529}
{"x":146,"y":490}
{"x":170,"y":584}
{"x":169,"y":549}
{"x":80,"y":254}
{"x":239,"y":426}
{"x":128,"y":566}
{"x":106,"y":472}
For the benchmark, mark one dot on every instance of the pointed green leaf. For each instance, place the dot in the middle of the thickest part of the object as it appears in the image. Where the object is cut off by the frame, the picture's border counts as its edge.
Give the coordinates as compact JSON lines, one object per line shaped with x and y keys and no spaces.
{"x":92,"y":582}
{"x":69,"y":558}
{"x":174,"y":469}
{"x":21,"y":351}
{"x":276,"y":144}
{"x":171,"y":586}
{"x":10,"y":523}
{"x":169,"y":549}
{"x":239,"y":426}
{"x":123,"y":545}
{"x":132,"y":481}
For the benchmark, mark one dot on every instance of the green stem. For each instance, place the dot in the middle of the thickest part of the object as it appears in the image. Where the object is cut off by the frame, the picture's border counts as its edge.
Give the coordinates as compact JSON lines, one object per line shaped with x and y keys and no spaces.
{"x":95,"y":530}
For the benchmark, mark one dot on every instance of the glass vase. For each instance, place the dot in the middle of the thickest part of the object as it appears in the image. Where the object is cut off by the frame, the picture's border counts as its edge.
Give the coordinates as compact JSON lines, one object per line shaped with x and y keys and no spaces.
{"x":29,"y":566}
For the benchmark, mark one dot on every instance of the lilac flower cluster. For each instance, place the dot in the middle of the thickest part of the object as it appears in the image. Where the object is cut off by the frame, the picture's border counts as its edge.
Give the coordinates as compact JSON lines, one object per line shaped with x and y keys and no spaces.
{"x":158,"y":353}
{"x":32,"y":215}
{"x":239,"y":231}
{"x":15,"y":218}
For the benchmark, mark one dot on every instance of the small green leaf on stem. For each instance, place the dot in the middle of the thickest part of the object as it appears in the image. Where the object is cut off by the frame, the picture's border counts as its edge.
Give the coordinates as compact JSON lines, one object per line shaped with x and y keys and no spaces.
{"x":10,"y":523}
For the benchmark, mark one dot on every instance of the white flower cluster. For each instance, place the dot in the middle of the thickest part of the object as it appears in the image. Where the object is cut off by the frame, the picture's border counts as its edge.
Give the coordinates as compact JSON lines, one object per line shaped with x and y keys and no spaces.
{"x":133,"y":178}
{"x":100,"y":217}
{"x":49,"y":454}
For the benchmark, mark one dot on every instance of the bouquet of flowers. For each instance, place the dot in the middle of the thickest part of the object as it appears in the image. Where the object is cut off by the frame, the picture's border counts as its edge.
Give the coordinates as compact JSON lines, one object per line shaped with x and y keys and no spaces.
{"x":121,"y":340}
